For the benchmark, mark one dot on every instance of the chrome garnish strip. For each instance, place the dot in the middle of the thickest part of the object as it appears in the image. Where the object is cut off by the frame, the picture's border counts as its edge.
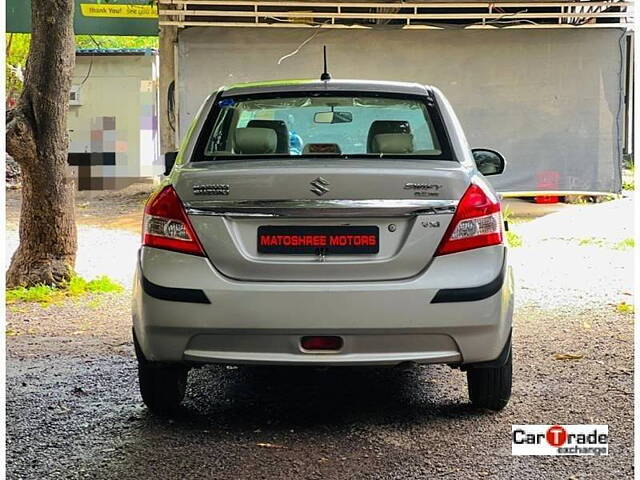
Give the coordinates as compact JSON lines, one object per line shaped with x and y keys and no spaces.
{"x":321,"y":208}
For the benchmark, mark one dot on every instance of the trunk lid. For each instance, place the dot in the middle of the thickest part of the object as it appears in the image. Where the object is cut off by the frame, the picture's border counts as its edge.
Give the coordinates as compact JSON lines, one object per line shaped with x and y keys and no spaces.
{"x":410,"y":202}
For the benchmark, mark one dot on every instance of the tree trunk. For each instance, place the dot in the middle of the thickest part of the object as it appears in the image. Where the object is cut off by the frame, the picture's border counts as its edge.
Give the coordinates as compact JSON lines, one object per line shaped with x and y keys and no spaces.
{"x":37,"y":140}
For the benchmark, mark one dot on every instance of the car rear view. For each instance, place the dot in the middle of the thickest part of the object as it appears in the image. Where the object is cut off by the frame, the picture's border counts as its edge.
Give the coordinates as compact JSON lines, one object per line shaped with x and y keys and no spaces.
{"x":324,"y":224}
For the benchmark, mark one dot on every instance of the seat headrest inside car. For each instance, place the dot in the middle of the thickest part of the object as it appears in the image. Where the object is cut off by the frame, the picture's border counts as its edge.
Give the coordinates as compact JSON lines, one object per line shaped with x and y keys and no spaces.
{"x":255,"y":140}
{"x":378,"y":127}
{"x":278,"y":126}
{"x":393,"y":143}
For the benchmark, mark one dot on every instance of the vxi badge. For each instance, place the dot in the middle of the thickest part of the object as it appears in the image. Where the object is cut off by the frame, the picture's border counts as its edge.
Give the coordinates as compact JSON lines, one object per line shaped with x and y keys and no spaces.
{"x":560,"y":439}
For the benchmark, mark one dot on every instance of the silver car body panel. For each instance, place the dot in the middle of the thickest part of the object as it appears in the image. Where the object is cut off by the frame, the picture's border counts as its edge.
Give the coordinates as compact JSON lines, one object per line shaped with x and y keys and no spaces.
{"x":353,"y":179}
{"x":231,"y":244}
{"x":255,"y":198}
{"x":381,"y":305}
{"x":392,"y":315}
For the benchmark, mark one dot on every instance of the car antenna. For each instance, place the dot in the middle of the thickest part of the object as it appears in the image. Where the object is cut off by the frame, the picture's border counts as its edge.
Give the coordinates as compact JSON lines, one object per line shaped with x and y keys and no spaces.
{"x":325,"y":75}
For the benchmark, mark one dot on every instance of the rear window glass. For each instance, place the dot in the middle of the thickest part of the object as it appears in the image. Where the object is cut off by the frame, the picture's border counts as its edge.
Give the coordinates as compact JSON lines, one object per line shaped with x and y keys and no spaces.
{"x":327,"y":125}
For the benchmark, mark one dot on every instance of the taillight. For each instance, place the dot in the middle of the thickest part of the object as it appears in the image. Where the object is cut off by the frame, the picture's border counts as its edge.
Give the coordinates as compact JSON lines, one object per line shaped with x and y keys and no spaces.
{"x":167,"y":226}
{"x":476,"y":223}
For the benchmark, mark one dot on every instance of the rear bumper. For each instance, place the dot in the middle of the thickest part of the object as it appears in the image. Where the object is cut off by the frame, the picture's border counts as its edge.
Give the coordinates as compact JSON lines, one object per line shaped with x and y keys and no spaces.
{"x":358,"y":349}
{"x":185,"y":311}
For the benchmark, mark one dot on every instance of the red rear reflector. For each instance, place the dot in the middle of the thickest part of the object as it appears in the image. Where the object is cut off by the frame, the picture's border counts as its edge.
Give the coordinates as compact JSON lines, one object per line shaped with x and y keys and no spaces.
{"x":166,"y":225}
{"x":476,"y":223}
{"x":321,"y":343}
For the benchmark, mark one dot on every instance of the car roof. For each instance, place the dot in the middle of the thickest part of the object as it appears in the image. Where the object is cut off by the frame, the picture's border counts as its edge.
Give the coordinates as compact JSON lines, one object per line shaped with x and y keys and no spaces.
{"x":312,"y":85}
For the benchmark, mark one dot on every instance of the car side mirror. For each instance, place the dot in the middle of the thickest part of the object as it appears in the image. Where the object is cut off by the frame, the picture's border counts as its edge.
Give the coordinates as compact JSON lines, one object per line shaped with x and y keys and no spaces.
{"x":169,"y":161}
{"x":489,"y":162}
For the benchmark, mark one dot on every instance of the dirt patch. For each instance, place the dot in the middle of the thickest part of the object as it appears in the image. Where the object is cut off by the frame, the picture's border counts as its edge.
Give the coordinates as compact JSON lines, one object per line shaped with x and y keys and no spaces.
{"x":97,"y":323}
{"x":114,"y":209}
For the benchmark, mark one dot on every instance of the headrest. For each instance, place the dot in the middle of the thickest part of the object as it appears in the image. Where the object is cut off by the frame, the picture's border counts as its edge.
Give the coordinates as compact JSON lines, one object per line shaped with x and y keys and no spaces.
{"x":390,"y":126}
{"x":273,"y":124}
{"x":280,"y":127}
{"x":255,"y":140}
{"x":386,"y":126}
{"x":393,"y":143}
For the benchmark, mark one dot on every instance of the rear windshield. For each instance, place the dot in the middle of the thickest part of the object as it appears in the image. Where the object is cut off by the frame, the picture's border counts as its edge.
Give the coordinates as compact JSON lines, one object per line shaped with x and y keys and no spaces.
{"x":326,"y":126}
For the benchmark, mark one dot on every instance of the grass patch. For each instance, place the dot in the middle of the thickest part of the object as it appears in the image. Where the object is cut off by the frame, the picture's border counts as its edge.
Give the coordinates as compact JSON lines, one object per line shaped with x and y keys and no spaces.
{"x":77,"y":286}
{"x":629,"y":183}
{"x":10,"y":332}
{"x":625,"y":244}
{"x":598,"y":242}
{"x":94,"y":303}
{"x":509,"y":217}
{"x":507,"y":214}
{"x":514,"y":240}
{"x":42,"y":294}
{"x":624,"y":307}
{"x":17,"y":309}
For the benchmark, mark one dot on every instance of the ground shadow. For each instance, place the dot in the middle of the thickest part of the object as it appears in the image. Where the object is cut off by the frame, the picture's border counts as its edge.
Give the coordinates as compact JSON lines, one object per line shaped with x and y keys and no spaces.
{"x":283,"y":398}
{"x":287,"y":422}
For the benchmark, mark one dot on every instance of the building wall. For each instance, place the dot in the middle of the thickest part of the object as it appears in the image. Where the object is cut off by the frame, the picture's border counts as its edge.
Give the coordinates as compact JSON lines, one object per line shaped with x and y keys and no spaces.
{"x":549,"y":100}
{"x":113,"y":133}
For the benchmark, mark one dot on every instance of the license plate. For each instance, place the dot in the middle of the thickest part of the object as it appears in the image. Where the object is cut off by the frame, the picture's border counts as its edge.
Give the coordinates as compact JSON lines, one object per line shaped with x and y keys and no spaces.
{"x":301,"y":240}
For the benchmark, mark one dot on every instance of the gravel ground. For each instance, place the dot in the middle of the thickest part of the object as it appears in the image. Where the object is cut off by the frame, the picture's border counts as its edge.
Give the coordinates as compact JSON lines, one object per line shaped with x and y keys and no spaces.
{"x":586,"y":266}
{"x":73,"y":409}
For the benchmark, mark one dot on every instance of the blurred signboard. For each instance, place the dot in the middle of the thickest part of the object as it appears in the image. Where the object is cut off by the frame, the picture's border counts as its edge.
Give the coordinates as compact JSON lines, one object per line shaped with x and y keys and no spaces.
{"x":94,"y":17}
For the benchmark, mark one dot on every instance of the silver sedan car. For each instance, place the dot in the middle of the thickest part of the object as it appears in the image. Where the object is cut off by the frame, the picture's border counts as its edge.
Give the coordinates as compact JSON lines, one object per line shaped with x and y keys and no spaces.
{"x":324,"y":223}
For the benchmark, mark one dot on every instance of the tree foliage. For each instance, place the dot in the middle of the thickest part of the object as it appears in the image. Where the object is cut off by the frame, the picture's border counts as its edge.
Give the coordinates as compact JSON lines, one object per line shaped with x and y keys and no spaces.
{"x":16,"y":58}
{"x":112,"y":41}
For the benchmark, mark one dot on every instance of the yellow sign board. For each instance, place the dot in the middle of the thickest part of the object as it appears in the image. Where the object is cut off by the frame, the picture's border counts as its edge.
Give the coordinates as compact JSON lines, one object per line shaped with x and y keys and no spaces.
{"x":118,"y":11}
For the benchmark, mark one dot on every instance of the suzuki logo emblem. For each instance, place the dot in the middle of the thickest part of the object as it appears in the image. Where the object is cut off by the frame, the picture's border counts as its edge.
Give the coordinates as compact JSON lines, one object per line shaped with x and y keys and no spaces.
{"x":319,"y":186}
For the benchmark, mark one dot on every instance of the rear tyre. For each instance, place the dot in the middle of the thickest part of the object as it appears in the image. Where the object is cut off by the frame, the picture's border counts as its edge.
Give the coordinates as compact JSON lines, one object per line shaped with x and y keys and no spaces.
{"x":162,"y":386}
{"x":490,"y":387}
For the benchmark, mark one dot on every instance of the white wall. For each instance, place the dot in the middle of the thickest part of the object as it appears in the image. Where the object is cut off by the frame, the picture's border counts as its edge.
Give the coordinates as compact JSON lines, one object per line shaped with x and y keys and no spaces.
{"x":548,"y":99}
